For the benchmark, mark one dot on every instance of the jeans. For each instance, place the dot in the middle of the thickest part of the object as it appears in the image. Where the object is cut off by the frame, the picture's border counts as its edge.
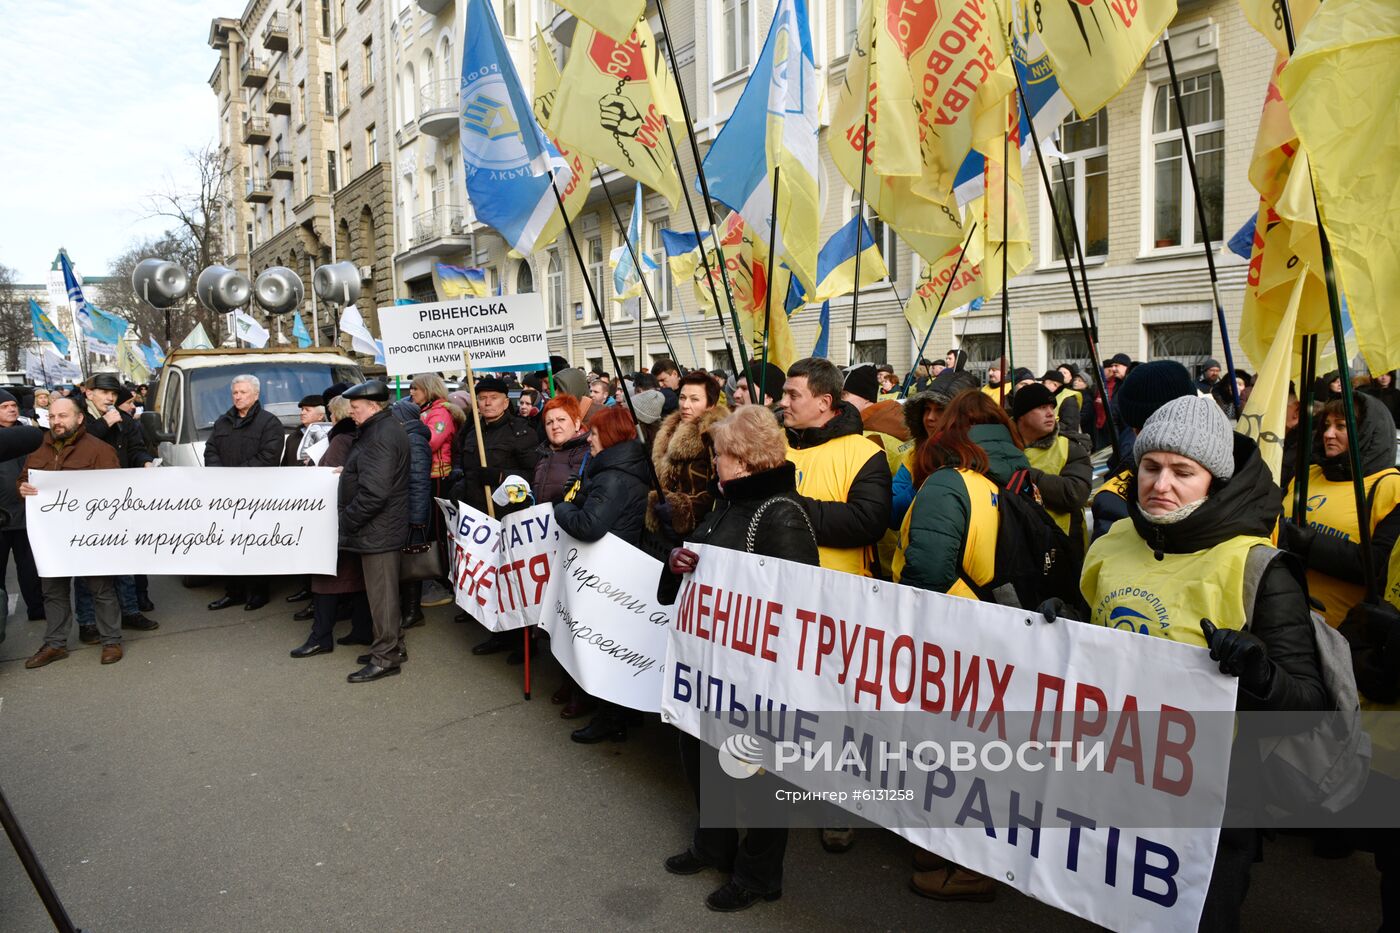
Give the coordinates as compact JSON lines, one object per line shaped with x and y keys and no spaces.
{"x":82,"y":598}
{"x":58,"y":608}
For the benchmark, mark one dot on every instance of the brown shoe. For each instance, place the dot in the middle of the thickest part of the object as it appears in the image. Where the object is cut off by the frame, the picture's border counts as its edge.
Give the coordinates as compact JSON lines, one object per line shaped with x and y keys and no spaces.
{"x":111,"y":654}
{"x":953,"y":883}
{"x":46,"y":655}
{"x":924,"y":860}
{"x":578,"y":706}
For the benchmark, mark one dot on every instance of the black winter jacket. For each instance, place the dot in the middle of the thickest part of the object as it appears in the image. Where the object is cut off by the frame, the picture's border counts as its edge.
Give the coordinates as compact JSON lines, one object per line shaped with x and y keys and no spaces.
{"x":420,"y":463}
{"x":1249,"y":505}
{"x":510,"y":448}
{"x":252,"y":440}
{"x":861,"y":520}
{"x":557,"y":469}
{"x":125,"y":437}
{"x":613,"y":497}
{"x":374,"y":488}
{"x":783,"y":531}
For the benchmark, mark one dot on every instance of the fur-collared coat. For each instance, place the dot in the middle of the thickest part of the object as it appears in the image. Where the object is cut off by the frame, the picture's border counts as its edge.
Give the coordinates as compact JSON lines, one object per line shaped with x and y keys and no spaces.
{"x":685,"y":465}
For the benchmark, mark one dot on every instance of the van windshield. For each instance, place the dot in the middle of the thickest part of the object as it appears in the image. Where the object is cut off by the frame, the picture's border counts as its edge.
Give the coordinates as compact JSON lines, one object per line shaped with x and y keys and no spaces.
{"x":281,"y":386}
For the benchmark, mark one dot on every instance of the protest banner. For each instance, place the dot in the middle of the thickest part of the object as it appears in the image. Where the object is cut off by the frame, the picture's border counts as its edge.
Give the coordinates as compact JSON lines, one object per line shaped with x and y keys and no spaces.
{"x":500,"y":568}
{"x":184,"y":520}
{"x":503,"y":332}
{"x":1096,"y":777}
{"x":605,"y":626}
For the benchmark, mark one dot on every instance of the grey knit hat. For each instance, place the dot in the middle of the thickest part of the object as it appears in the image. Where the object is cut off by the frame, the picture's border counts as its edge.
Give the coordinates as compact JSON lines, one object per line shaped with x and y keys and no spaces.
{"x":648,"y":405}
{"x":1192,"y":426}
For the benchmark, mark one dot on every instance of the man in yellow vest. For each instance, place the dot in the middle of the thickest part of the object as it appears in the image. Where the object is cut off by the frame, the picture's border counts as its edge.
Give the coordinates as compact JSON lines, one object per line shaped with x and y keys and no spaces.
{"x":842,"y":477}
{"x":993,"y":387}
{"x":1067,"y":400}
{"x":1059,"y":459}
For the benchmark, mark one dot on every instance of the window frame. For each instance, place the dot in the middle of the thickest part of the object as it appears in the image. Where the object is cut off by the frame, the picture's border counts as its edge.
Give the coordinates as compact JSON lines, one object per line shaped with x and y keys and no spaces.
{"x":1162,"y":93}
{"x":1077,"y":162}
{"x":741,"y":43}
{"x":885,"y":238}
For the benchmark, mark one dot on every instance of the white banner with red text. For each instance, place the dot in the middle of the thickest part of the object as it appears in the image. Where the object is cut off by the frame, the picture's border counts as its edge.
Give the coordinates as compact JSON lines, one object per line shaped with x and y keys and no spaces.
{"x":184,"y":520}
{"x":500,"y":567}
{"x":1086,"y":767}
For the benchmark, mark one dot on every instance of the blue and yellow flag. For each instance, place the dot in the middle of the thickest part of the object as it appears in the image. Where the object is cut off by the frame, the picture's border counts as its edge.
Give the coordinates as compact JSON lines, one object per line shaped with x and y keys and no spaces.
{"x":820,"y":348}
{"x":451,"y":281}
{"x":836,"y":263}
{"x":627,"y":280}
{"x":44,"y":329}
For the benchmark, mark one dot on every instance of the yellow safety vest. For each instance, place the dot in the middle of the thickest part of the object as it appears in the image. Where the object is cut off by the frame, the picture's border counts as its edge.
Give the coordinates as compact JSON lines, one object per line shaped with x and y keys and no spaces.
{"x":1332,"y":511}
{"x":994,"y":393}
{"x":1065,"y":395}
{"x":896,"y":452}
{"x":980,"y":548}
{"x":1050,"y":461}
{"x":1167,"y":598}
{"x":1115,"y":485}
{"x":825,"y":473}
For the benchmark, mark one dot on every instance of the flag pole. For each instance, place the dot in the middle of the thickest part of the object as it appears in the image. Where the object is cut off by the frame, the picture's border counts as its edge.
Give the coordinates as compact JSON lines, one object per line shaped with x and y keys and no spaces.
{"x":768,"y":283}
{"x":1358,"y":480}
{"x":1083,"y":304}
{"x":860,"y":226}
{"x":1005,"y":250}
{"x":602,"y":324}
{"x":947,"y":289}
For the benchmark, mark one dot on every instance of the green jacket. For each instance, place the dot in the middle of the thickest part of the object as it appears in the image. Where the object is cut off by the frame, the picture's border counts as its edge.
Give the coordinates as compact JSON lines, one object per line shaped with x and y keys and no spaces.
{"x":939,"y":517}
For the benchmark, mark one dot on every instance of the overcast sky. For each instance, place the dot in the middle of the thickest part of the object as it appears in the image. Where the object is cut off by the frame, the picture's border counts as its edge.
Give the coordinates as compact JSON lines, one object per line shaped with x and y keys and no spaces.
{"x":101,"y":103}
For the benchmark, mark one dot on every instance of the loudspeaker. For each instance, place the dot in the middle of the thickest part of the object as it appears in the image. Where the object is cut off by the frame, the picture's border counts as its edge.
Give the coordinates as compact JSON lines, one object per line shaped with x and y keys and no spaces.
{"x":338,"y":283}
{"x":222,"y":289}
{"x":160,"y":282}
{"x":279,"y":290}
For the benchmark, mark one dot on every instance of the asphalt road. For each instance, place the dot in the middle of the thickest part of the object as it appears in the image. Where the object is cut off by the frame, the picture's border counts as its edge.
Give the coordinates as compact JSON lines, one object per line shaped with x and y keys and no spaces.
{"x":210,"y":782}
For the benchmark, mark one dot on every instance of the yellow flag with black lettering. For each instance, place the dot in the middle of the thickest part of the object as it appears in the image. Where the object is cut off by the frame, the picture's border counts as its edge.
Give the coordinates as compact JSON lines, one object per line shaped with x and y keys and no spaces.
{"x":612,"y":104}
{"x":937,"y":278}
{"x":1097,"y":45}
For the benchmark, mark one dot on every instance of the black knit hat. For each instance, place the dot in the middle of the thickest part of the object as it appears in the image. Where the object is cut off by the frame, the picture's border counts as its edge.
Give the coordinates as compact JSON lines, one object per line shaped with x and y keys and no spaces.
{"x":862,"y":381}
{"x":7,"y":397}
{"x":1150,"y":386}
{"x":1053,"y":375}
{"x":1029,"y":398}
{"x":772,"y":384}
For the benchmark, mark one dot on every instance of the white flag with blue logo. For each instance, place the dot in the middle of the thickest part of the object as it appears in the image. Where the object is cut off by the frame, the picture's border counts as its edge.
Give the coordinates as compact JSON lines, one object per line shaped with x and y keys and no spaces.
{"x":627,"y":281}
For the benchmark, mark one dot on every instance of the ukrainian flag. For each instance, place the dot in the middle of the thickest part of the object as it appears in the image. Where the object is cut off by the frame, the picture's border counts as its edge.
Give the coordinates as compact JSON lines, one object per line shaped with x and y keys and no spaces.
{"x":458,"y":282}
{"x":836,"y":263}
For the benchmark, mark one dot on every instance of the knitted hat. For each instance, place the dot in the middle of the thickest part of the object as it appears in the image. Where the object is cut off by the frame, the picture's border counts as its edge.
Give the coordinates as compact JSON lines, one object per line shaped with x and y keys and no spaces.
{"x":772,"y":383}
{"x":572,"y":381}
{"x":1053,"y":375}
{"x":333,"y":390}
{"x":1193,"y":427}
{"x":1028,"y":398}
{"x":1210,"y":364}
{"x":1149,"y":387}
{"x":648,"y":405}
{"x":1120,"y":359}
{"x":949,"y":383}
{"x":7,"y":397}
{"x":1021,"y":374}
{"x":861,"y":381}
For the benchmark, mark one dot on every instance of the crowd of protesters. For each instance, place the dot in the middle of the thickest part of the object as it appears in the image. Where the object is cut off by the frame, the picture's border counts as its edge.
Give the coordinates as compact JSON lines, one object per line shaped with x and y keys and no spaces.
{"x":860,"y":471}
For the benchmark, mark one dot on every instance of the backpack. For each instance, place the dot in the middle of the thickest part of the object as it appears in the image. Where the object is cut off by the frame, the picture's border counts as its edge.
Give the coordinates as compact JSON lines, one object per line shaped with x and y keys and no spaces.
{"x":1035,"y":559}
{"x":1324,"y":768}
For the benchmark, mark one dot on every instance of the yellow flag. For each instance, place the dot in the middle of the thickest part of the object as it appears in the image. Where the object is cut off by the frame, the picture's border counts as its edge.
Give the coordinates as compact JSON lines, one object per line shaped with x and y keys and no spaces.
{"x":1343,"y":92}
{"x":930,"y":226}
{"x":997,"y":230}
{"x":1267,"y":17}
{"x":612,"y":105}
{"x":746,"y":261}
{"x":934,"y":281}
{"x":616,"y":18}
{"x":1097,"y":45}
{"x":1266,"y":410}
{"x":575,"y":192}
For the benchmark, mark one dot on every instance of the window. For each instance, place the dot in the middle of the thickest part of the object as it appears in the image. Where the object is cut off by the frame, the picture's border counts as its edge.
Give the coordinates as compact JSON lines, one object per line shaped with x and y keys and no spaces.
{"x":344,"y":84}
{"x":410,"y":90}
{"x":326,"y":29}
{"x":848,"y":25}
{"x":299,"y":27}
{"x":342,"y":18}
{"x":248,"y":235}
{"x":302,"y":108}
{"x":719,"y":359}
{"x":328,"y":90}
{"x":661,"y":280}
{"x":348,"y":161}
{"x":884,"y":237}
{"x":596,"y":265}
{"x":371,"y":147}
{"x":510,"y":18}
{"x":1188,"y":344}
{"x":1174,"y":210}
{"x":736,"y":36}
{"x":369,"y":61}
{"x":1068,"y":346}
{"x":331,"y":183}
{"x":870,"y":351}
{"x":983,"y":352}
{"x":305,"y":179}
{"x":524,"y":278}
{"x":554,"y":289}
{"x":1081,"y":185}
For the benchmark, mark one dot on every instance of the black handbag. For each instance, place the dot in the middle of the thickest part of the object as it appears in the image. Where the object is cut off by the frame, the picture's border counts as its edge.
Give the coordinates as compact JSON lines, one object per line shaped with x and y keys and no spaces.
{"x":421,"y":561}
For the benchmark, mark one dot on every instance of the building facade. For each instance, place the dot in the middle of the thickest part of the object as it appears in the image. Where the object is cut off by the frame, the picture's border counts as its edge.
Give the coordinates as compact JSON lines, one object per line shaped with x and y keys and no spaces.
{"x":302,"y":98}
{"x":1127,"y":184}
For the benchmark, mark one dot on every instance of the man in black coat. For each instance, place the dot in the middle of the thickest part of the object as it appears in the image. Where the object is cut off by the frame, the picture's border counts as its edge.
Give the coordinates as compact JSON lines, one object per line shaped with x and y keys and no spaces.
{"x":246,"y":435}
{"x":106,"y":422}
{"x":511,"y":448}
{"x":374,"y":520}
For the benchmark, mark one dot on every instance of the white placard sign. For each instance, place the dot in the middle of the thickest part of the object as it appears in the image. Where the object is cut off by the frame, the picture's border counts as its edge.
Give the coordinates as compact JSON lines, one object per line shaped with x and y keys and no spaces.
{"x":184,"y":520}
{"x":500,"y":568}
{"x":504,"y":332}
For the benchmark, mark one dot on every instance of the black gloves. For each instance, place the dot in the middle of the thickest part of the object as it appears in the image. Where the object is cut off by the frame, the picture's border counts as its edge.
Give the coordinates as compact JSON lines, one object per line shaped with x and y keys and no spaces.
{"x":1056,"y":608}
{"x":1373,"y":632}
{"x":1240,"y":655}
{"x":1297,"y":539}
{"x":491,"y":476}
{"x":663,"y":512}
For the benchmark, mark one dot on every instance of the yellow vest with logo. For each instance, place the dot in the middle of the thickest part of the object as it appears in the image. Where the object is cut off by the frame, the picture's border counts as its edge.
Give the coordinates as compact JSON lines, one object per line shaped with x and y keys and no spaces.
{"x":1128,"y":588}
{"x":1115,"y":485}
{"x":1065,"y":395}
{"x":825,"y":473}
{"x":980,"y":547}
{"x":1332,"y":511}
{"x":1050,"y":461}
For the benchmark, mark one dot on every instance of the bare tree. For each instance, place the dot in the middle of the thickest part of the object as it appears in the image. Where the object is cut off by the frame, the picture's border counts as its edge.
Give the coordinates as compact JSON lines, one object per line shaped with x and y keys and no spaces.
{"x":15,"y":334}
{"x":196,"y":211}
{"x":177,"y":246}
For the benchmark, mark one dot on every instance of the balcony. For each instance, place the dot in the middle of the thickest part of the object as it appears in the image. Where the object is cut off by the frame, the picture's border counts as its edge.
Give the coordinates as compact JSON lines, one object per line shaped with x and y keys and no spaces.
{"x":255,"y":71}
{"x":437,"y":111}
{"x":274,"y":34}
{"x":278,"y":98}
{"x":440,"y":231}
{"x":259,"y":190}
{"x":256,"y":129}
{"x":433,"y":7}
{"x":280,"y":164}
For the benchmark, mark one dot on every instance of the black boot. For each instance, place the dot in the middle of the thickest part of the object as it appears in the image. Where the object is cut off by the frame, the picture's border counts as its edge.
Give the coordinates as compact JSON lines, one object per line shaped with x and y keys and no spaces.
{"x":410,"y":599}
{"x":608,"y":724}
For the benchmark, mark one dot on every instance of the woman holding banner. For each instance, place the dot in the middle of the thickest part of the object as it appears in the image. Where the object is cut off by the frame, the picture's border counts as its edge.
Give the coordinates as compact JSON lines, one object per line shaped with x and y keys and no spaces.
{"x":756,"y":510}
{"x":612,"y":498}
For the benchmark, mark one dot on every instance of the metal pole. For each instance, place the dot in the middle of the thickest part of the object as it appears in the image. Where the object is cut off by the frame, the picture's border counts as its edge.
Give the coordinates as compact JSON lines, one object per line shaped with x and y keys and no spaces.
{"x":636,"y":264}
{"x":860,"y":226}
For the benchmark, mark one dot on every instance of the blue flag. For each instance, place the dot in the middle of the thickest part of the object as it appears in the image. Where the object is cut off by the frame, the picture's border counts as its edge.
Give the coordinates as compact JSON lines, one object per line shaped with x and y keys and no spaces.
{"x":104,"y":326}
{"x":44,"y":329}
{"x":150,"y":350}
{"x":506,"y":155}
{"x":299,"y":331}
{"x":75,"y":293}
{"x":823,"y":331}
{"x":1243,"y":241}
